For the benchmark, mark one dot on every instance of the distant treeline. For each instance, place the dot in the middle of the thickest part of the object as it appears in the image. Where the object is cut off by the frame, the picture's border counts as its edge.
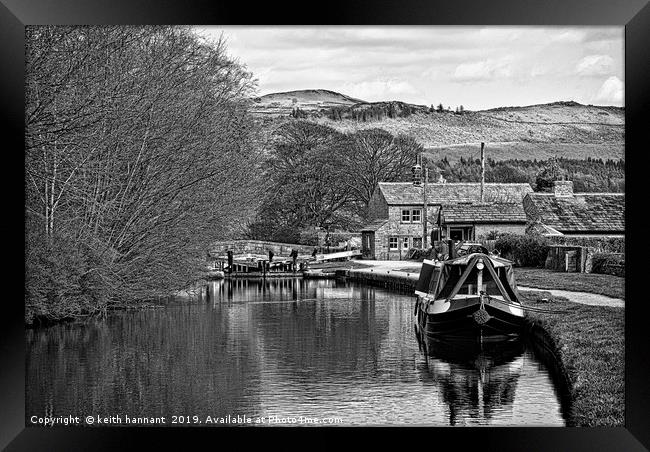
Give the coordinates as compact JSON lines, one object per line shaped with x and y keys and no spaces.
{"x":588,"y":175}
{"x":378,"y":111}
{"x":373,"y":112}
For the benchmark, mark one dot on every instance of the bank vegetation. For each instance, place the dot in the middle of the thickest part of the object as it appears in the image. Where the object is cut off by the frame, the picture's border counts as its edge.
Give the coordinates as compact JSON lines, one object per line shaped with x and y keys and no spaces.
{"x":137,"y":140}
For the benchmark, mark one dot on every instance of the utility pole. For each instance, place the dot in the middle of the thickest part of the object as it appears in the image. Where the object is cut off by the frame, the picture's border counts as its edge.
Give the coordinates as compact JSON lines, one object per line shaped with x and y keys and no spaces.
{"x":482,"y":172}
{"x":417,"y":181}
{"x":424,"y":212}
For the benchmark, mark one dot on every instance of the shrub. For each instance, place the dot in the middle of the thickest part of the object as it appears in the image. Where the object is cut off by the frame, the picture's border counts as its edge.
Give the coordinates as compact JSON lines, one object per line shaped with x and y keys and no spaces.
{"x":492,"y":235}
{"x":528,"y":250}
{"x":63,"y":279}
{"x":608,"y":264}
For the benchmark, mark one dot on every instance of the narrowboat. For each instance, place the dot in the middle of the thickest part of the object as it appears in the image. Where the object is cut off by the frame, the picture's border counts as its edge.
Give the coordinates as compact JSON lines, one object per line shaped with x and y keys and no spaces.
{"x":474,"y":295}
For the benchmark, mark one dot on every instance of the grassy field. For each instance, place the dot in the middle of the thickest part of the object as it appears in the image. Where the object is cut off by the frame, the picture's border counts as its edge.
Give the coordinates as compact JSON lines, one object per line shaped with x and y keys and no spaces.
{"x":541,"y":128}
{"x":609,"y":285}
{"x":590,"y":344}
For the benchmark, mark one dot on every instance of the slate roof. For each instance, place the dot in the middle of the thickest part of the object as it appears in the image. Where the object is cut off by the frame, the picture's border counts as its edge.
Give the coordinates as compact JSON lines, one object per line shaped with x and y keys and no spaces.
{"x":484,"y":213}
{"x":582,"y":212}
{"x":405,"y":193}
{"x":540,"y":228}
{"x":374,"y":225}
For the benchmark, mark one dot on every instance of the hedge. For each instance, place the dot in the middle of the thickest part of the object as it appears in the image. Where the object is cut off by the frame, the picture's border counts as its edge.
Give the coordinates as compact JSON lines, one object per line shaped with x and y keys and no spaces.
{"x":608,"y":264}
{"x":527,"y":250}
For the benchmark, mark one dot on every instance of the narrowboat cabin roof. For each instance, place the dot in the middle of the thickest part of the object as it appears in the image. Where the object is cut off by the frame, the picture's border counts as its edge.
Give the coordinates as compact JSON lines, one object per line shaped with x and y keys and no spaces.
{"x":445,"y":279}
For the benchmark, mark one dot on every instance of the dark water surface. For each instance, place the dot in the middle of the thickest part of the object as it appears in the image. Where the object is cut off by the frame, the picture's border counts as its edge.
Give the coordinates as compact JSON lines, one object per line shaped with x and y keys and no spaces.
{"x":286,"y":348}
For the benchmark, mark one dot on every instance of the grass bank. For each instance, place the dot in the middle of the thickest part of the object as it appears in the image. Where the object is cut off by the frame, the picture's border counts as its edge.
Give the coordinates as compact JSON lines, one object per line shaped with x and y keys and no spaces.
{"x":589,"y":342}
{"x":541,"y":278}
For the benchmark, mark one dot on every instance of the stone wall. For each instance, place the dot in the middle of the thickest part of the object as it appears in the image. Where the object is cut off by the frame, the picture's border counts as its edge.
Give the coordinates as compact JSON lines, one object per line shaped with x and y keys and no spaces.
{"x":257,"y":247}
{"x":395,"y":228}
{"x":563,"y":188}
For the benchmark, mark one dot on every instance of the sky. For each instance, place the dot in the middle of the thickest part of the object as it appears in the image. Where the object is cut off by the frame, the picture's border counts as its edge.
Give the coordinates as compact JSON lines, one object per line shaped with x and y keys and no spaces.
{"x":477,"y":67}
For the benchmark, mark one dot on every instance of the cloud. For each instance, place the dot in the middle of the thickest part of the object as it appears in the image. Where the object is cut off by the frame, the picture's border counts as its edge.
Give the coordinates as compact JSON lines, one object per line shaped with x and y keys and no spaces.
{"x":429,"y":64}
{"x":593,"y":65}
{"x":379,"y":90}
{"x":483,"y":70}
{"x":574,"y":35}
{"x":611,"y":91}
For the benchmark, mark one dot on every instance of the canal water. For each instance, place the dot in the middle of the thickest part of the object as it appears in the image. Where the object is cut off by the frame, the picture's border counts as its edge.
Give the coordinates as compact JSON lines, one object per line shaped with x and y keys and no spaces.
{"x":287,"y":350}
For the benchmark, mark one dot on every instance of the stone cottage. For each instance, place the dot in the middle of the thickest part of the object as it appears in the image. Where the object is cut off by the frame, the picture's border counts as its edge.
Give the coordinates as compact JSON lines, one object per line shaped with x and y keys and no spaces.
{"x":454,"y":210}
{"x":563,"y":212}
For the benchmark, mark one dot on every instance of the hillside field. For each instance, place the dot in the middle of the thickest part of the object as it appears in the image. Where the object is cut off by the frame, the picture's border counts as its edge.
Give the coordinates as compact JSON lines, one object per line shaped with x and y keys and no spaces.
{"x":559,"y":129}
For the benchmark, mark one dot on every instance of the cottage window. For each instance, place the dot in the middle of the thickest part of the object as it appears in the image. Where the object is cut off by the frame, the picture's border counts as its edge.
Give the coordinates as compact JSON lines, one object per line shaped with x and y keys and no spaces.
{"x":417,"y":242}
{"x":416,"y":215}
{"x":392,"y":243}
{"x":405,"y":243}
{"x":406,"y":216}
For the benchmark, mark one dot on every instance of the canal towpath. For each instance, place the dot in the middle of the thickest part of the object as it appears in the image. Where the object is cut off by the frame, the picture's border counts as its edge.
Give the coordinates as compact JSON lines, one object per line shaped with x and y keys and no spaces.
{"x":410,"y":270}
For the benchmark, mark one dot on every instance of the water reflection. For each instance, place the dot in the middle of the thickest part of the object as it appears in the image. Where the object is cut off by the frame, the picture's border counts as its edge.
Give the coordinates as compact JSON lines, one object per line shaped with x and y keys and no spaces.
{"x":284,"y":347}
{"x":488,"y":383}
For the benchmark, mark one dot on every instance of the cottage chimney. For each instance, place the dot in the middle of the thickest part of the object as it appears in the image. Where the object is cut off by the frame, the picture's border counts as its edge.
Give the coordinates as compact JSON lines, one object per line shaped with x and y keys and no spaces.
{"x":563,"y":188}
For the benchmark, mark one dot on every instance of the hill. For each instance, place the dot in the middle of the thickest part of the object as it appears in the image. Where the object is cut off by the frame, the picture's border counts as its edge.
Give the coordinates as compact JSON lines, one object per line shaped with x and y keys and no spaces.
{"x":564,"y":129}
{"x":310,"y":100}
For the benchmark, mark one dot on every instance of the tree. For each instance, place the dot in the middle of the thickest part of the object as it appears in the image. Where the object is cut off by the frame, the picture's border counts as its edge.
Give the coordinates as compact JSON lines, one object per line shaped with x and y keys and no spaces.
{"x":506,"y":173}
{"x":548,"y":174}
{"x":309,"y":184}
{"x":136,"y":139}
{"x":377,"y":156}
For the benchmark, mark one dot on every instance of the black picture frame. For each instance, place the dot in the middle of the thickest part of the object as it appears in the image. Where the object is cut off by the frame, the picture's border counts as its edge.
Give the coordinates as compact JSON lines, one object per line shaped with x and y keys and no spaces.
{"x":633,"y":14}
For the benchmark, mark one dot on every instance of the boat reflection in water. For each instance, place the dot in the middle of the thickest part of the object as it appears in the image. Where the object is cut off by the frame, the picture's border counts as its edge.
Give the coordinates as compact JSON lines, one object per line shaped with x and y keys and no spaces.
{"x":481,"y":381}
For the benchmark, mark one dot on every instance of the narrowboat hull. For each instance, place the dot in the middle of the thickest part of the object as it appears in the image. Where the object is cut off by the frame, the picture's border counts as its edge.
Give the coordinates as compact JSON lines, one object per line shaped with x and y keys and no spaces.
{"x":462,"y":323}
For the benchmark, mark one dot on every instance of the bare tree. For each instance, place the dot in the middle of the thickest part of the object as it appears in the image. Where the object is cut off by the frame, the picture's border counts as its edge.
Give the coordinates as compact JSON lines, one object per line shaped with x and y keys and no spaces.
{"x":137,"y":143}
{"x":378,"y":156}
